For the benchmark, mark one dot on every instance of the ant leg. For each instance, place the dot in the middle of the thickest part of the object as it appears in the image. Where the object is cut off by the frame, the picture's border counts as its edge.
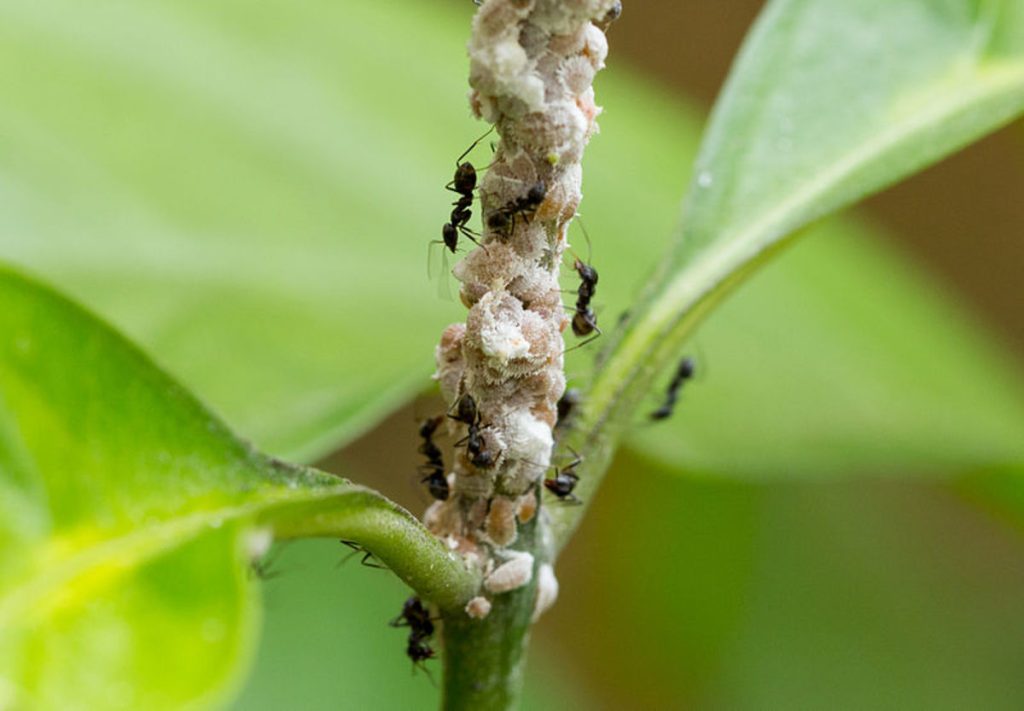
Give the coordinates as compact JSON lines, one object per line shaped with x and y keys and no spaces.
{"x":577,"y":460}
{"x":426,"y":671}
{"x":472,"y":237}
{"x":369,"y":561}
{"x":584,"y":343}
{"x":356,"y":549}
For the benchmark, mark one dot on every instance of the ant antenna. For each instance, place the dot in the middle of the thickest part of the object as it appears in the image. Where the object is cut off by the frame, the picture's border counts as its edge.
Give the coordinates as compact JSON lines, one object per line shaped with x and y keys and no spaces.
{"x":586,"y":236}
{"x":473,"y":145}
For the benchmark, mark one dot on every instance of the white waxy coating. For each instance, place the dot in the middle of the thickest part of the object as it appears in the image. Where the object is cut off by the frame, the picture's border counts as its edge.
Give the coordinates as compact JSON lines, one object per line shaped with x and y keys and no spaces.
{"x":514,"y":573}
{"x":547,"y":590}
{"x":532,"y":64}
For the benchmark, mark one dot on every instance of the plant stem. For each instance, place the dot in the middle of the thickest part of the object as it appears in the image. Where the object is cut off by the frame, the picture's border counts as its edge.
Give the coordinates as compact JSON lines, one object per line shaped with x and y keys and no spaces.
{"x":484,"y":659}
{"x":394,"y":536}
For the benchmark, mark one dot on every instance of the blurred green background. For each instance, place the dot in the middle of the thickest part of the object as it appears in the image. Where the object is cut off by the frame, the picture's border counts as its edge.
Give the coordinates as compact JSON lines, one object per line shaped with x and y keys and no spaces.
{"x":210,"y":197}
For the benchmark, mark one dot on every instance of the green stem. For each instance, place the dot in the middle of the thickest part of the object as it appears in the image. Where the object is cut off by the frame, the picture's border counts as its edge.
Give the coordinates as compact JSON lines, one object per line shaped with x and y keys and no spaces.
{"x":657,"y":331}
{"x":391,"y":533}
{"x":484,"y":659}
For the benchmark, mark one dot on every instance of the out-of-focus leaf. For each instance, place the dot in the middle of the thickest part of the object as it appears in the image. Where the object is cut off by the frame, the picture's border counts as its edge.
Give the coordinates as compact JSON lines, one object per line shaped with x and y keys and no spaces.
{"x":220,"y":179}
{"x":865,"y":595}
{"x":879,"y":597}
{"x":326,"y":643}
{"x":125,"y":514}
{"x":841,"y":359}
{"x":247,"y":190}
{"x":827,"y":102}
{"x":830,"y":101}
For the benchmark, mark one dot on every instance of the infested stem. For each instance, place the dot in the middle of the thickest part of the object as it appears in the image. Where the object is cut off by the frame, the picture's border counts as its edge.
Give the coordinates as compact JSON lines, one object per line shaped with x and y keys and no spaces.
{"x":532,"y":68}
{"x":485,"y":659}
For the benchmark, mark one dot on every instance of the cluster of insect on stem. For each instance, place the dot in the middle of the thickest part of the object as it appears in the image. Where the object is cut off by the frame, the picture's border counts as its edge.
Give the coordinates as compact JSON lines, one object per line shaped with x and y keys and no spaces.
{"x":501,"y":372}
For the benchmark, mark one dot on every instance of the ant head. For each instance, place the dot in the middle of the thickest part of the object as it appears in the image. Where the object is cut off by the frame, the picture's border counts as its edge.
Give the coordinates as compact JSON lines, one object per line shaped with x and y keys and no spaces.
{"x":413,"y":607}
{"x":537,"y":193}
{"x":450,"y":235}
{"x":482,"y":459}
{"x":466,"y":409}
{"x":429,"y":426}
{"x":588,"y":275}
{"x":570,"y":399}
{"x":687,"y":368}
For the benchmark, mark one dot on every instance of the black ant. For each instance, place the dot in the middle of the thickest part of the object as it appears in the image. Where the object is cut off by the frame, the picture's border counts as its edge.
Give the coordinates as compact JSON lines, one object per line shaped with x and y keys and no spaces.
{"x":567,"y":405}
{"x":564,"y":481}
{"x":416,"y":617}
{"x":463,"y":184}
{"x":468,"y":414}
{"x":368,"y":558}
{"x":502,"y":219}
{"x":684,"y":371}
{"x":584,"y":321}
{"x":436,"y":481}
{"x":427,"y":430}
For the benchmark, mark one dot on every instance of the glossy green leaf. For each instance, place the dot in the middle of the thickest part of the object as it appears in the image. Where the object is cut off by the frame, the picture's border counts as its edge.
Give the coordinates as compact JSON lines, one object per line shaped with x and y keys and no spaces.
{"x":125,"y":517}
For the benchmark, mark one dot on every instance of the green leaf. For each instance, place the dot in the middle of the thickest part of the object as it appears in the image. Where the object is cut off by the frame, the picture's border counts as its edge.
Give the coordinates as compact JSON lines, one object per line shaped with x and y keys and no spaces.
{"x":125,"y":517}
{"x":826,"y":103}
{"x":283,"y":283}
{"x":326,"y":644}
{"x":839,"y":358}
{"x":246,"y":190}
{"x":852,"y":595}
